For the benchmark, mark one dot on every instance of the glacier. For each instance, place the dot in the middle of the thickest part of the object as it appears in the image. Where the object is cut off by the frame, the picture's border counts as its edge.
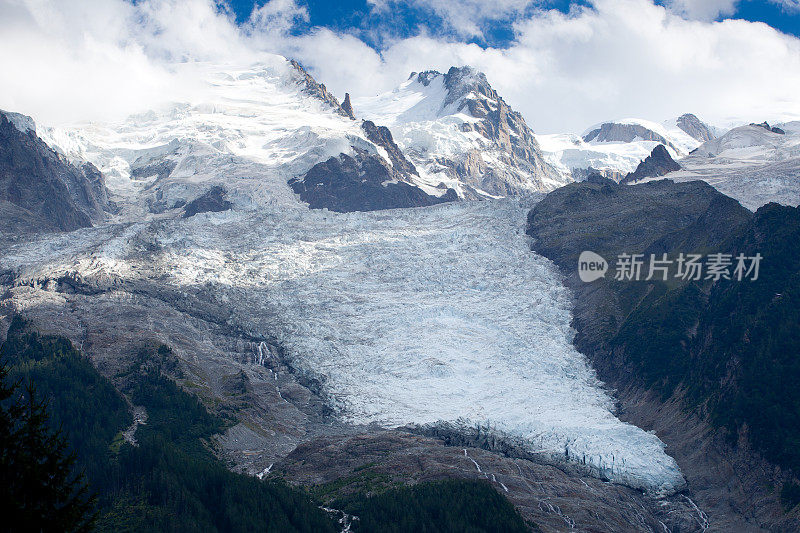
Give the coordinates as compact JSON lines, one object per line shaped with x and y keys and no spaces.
{"x":408,"y":316}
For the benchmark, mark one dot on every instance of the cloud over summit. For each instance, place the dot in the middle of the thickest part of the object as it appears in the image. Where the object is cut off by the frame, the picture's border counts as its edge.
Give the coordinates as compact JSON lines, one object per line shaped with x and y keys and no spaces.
{"x":97,"y":59}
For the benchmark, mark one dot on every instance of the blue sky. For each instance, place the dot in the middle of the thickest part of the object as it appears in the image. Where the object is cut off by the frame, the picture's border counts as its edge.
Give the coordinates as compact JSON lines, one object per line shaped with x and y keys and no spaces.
{"x":404,"y":19}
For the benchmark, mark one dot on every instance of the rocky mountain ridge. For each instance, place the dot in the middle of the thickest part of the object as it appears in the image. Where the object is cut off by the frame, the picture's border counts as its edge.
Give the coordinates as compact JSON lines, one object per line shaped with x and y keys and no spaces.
{"x":460,"y":133}
{"x":39,"y":189}
{"x":654,"y":341}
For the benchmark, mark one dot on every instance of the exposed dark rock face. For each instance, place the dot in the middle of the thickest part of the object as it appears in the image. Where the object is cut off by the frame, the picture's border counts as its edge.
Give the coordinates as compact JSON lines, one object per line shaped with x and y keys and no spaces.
{"x":669,"y":348}
{"x":625,"y":133}
{"x":381,"y":136}
{"x":40,"y":190}
{"x":363,"y":182}
{"x":311,"y":87}
{"x":658,"y":163}
{"x":212,"y":201}
{"x":695,"y":127}
{"x":347,"y":106}
{"x":767,"y":127}
{"x":161,"y":169}
{"x":511,"y":140}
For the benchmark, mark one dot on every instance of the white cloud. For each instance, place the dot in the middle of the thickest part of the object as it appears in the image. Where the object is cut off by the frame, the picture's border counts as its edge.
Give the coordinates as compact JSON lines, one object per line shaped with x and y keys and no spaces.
{"x":788,"y":5}
{"x":622,"y":58}
{"x":91,"y":59}
{"x":465,"y":17}
{"x":704,"y":9}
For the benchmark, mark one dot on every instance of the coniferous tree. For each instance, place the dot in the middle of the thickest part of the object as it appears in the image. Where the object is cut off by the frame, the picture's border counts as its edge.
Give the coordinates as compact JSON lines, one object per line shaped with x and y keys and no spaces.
{"x":40,"y":490}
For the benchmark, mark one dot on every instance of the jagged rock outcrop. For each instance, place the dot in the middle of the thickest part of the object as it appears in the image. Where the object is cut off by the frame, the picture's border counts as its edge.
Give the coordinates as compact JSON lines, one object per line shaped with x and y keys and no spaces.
{"x":658,"y":163}
{"x":311,"y":87}
{"x":347,"y":106}
{"x":39,"y":189}
{"x":695,"y":127}
{"x":381,"y":136}
{"x":767,"y":127}
{"x":489,"y":152}
{"x":625,"y":133}
{"x":361,"y":182}
{"x":469,"y":91}
{"x":213,"y":201}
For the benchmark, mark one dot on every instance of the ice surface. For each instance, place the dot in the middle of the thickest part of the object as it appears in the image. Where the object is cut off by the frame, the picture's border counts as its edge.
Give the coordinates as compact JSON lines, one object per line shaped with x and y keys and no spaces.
{"x":408,"y":316}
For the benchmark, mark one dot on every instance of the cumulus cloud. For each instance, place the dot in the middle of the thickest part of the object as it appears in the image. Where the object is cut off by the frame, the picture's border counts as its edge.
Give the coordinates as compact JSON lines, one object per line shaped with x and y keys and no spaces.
{"x":91,"y":59}
{"x":464,"y":17}
{"x":789,"y":5}
{"x":704,"y":9}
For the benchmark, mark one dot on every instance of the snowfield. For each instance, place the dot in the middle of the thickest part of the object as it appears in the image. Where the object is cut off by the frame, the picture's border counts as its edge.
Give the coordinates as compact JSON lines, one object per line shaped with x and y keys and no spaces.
{"x":417,"y":316}
{"x":750,"y":164}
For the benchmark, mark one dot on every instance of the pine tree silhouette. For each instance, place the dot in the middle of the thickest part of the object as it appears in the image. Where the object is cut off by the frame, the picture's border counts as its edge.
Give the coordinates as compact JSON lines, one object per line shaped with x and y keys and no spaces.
{"x":40,"y":490}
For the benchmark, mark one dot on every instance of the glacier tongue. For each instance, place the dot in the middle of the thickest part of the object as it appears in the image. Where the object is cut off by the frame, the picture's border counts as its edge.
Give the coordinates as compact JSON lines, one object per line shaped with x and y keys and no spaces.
{"x":421,"y":316}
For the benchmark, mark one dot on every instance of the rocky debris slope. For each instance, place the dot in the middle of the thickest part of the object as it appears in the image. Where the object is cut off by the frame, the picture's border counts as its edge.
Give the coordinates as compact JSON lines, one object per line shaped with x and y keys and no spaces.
{"x":39,"y":189}
{"x":644,"y":340}
{"x":461,"y":134}
{"x":658,"y":163}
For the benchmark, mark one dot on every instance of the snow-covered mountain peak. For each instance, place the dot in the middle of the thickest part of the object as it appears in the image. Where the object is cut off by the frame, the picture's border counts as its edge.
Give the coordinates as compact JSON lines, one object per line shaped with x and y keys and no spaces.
{"x":615,"y":148}
{"x":751,"y":163}
{"x":460,"y":133}
{"x":629,"y":130}
{"x":253,"y":129}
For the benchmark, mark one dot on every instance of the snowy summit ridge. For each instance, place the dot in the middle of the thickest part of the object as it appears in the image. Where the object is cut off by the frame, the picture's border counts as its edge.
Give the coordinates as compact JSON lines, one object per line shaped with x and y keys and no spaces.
{"x":461,"y":133}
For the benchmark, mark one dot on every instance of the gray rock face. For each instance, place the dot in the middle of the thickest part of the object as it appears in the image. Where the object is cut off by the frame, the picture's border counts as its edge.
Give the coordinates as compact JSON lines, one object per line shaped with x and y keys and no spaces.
{"x":767,"y":127}
{"x":347,"y":106}
{"x":511,"y":140}
{"x":695,"y":127}
{"x":365,"y":181}
{"x":311,"y":87}
{"x":658,"y":163}
{"x":362,"y":182}
{"x":625,"y":133}
{"x":213,"y":201}
{"x":727,"y":482}
{"x":381,"y":136}
{"x":39,"y":189}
